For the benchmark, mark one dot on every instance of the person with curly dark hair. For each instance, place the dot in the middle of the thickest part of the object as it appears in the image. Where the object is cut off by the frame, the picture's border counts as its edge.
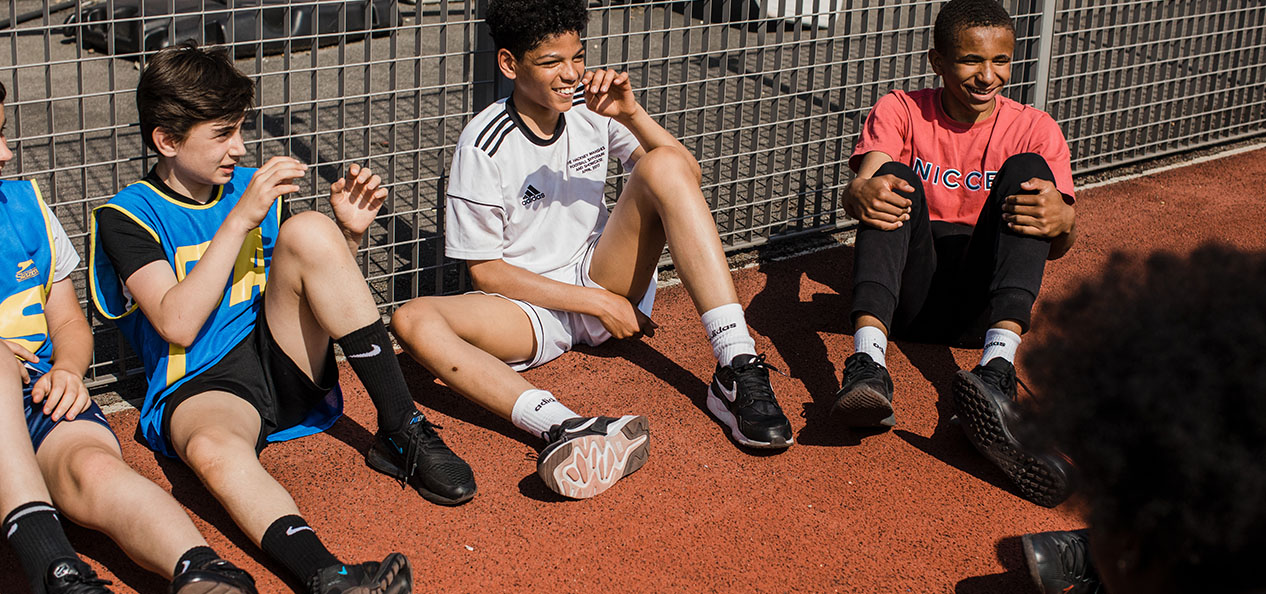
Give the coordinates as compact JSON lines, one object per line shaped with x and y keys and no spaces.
{"x":962,"y":196}
{"x":554,"y":268}
{"x":1153,"y":377}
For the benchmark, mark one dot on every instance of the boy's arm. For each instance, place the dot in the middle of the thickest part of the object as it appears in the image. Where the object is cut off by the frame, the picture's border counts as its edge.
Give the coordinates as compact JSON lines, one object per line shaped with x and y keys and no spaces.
{"x":1044,"y":213}
{"x":62,"y":389}
{"x":356,"y":202}
{"x":616,"y":312}
{"x":610,"y":94}
{"x":177,"y":310}
{"x":874,"y":200}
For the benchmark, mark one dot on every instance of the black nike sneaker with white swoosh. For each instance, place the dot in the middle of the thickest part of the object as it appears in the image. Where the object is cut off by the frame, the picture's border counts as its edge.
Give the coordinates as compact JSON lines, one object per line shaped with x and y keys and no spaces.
{"x":417,"y":456}
{"x":72,"y":576}
{"x":587,"y":455}
{"x":392,"y":576}
{"x":741,"y":397}
{"x":215,"y":577}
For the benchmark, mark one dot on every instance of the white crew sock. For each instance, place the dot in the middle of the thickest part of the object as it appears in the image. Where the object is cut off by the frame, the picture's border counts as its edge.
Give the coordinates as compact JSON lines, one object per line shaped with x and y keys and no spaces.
{"x":872,"y":341}
{"x":537,"y":410}
{"x":1000,"y":342}
{"x":727,"y":331}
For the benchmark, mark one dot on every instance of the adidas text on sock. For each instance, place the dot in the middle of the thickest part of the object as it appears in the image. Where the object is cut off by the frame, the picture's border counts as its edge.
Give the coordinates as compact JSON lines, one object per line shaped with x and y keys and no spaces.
{"x":726,"y":328}
{"x":873,"y":342}
{"x":535,"y":411}
{"x":1000,"y":342}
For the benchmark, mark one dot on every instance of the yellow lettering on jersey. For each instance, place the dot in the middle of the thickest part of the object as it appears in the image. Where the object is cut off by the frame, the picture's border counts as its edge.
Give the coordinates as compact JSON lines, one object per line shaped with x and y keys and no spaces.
{"x":22,"y":318}
{"x":175,"y":363}
{"x":187,"y":256}
{"x":248,"y":270}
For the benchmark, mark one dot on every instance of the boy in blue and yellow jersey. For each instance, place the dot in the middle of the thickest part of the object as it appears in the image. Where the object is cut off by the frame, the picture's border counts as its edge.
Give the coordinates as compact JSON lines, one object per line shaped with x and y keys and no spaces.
{"x":58,"y":447}
{"x":237,"y":310}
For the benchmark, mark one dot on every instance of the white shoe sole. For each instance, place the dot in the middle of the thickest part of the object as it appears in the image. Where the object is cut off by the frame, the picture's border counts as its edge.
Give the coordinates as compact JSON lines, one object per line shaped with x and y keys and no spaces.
{"x":589,"y":465}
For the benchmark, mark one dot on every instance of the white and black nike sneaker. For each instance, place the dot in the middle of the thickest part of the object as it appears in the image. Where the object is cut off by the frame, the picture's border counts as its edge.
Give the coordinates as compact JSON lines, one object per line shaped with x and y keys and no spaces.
{"x":741,"y":397}
{"x":587,"y":455}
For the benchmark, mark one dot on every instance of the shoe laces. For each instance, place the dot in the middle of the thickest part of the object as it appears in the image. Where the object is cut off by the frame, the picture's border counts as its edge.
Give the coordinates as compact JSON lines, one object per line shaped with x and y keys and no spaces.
{"x":82,"y":584}
{"x":862,"y":368}
{"x":1074,"y":556}
{"x":752,"y":378}
{"x":420,"y":437}
{"x":1004,"y":380}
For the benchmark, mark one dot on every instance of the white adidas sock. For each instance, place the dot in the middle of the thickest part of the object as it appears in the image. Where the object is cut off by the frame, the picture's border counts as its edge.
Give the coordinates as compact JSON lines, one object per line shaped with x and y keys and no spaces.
{"x":537,"y":410}
{"x":727,"y":331}
{"x":872,"y":341}
{"x":1000,"y":342}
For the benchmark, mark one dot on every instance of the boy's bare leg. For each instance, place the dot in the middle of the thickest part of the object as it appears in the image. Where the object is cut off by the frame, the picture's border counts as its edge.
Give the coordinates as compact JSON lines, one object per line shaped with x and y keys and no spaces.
{"x":93,"y":486}
{"x":464,"y":340}
{"x":662,"y":202}
{"x":22,"y":481}
{"x":215,"y":434}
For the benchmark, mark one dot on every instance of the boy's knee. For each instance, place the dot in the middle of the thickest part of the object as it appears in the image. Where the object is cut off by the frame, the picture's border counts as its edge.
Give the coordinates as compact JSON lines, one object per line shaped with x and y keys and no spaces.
{"x":416,"y":319}
{"x":669,"y":162}
{"x":209,"y":450}
{"x":1023,"y":167}
{"x":310,"y":234}
{"x":903,"y":172}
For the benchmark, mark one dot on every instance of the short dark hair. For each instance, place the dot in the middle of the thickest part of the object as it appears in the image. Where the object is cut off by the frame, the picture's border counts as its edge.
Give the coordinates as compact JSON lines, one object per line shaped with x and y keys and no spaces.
{"x":958,"y":15}
{"x":186,"y":85}
{"x":3,"y":93}
{"x":1152,"y":379}
{"x":520,"y":25}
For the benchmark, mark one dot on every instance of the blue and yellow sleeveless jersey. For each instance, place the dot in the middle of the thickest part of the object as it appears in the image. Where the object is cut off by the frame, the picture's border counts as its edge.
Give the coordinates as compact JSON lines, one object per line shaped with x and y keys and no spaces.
{"x":28,"y":254}
{"x":184,"y":231}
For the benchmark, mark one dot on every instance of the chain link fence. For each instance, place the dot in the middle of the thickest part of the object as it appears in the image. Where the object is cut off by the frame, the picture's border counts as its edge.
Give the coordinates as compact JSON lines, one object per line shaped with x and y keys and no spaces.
{"x":769,"y":96}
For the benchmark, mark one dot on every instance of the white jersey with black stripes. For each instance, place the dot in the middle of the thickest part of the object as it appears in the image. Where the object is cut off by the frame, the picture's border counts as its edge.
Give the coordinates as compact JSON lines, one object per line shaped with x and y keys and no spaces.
{"x":533,"y":202}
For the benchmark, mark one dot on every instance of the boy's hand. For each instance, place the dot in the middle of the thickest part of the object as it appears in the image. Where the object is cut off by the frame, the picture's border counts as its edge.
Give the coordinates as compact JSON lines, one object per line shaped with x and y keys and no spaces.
{"x":609,"y":93}
{"x":1040,"y":214}
{"x":875,"y":201}
{"x":21,"y":353}
{"x":619,"y":317}
{"x":272,"y":180}
{"x":356,"y":199}
{"x":63,"y":394}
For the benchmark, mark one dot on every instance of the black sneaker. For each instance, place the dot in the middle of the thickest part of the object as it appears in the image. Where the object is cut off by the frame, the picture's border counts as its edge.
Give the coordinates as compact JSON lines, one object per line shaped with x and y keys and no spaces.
{"x":1060,"y":563}
{"x":586,"y":455}
{"x":392,"y":576}
{"x":416,"y":455}
{"x":217,"y":577}
{"x":72,"y":576}
{"x":985,"y":399}
{"x":740,"y":397}
{"x":865,"y":396}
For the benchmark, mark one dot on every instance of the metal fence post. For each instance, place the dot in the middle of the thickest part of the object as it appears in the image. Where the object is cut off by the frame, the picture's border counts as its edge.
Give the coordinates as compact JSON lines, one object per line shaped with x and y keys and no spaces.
{"x":1045,"y":47}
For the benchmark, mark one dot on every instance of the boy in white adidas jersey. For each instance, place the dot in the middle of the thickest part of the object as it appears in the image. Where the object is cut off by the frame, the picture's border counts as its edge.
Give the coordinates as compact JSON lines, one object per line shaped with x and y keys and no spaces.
{"x":526,"y":212}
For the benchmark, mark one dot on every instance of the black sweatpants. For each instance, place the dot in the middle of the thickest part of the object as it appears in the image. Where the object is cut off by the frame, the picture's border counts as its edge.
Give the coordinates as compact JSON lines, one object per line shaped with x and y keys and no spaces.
{"x":947,"y":283}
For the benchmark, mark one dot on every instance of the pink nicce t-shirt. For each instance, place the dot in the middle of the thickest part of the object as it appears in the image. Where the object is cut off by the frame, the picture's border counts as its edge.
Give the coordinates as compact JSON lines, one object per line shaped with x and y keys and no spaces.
{"x":957,"y":162}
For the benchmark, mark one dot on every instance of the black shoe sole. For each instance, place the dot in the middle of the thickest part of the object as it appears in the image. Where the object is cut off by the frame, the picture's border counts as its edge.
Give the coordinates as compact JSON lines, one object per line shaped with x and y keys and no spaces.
{"x":211,"y":587}
{"x":1040,"y":480}
{"x":1030,"y":560}
{"x":865,"y":407}
{"x":383,"y":463}
{"x":394,"y":577}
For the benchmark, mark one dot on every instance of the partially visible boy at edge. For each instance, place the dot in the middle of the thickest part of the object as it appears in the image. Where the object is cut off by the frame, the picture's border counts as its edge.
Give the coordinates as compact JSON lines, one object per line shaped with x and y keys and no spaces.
{"x":237,"y":349}
{"x":59,"y":449}
{"x":962,"y":195}
{"x":526,"y":212}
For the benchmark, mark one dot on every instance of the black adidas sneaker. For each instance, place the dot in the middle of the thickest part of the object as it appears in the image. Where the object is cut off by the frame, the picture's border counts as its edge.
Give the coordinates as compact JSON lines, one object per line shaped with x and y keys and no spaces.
{"x":865,"y":396}
{"x":416,"y":455}
{"x":741,"y":397}
{"x":587,"y":455}
{"x":1059,"y":562}
{"x":985,"y":399}
{"x":215,"y":577}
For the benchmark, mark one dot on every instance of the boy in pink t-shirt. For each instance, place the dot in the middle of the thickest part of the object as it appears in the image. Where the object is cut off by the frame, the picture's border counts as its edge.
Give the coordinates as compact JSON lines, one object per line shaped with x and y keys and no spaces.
{"x":962,"y":196}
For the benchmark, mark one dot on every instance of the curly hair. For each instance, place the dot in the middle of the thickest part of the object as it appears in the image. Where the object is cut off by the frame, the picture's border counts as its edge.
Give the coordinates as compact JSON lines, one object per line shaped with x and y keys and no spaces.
{"x":957,"y":15}
{"x":186,"y":85}
{"x":1153,"y":381}
{"x":520,"y":25}
{"x":3,"y":93}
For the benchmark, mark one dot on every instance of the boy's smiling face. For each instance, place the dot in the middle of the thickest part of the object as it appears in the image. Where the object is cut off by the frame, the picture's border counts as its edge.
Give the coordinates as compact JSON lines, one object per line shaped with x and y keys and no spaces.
{"x":974,"y":71}
{"x":207,"y":155}
{"x":545,"y":80}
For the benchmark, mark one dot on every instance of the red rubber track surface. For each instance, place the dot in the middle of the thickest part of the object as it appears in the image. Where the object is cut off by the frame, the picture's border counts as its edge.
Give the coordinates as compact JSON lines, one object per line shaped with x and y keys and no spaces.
{"x":912,"y":510}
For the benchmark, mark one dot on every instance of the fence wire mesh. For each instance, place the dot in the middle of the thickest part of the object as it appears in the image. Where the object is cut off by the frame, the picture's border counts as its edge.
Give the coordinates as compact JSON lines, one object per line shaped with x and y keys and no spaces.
{"x":769,"y":96}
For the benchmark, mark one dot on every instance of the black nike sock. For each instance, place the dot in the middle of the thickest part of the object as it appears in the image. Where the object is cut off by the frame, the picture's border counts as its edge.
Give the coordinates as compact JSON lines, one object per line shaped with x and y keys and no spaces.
{"x":37,"y":537}
{"x":293,"y":543}
{"x":195,"y":558}
{"x":373,"y":358}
